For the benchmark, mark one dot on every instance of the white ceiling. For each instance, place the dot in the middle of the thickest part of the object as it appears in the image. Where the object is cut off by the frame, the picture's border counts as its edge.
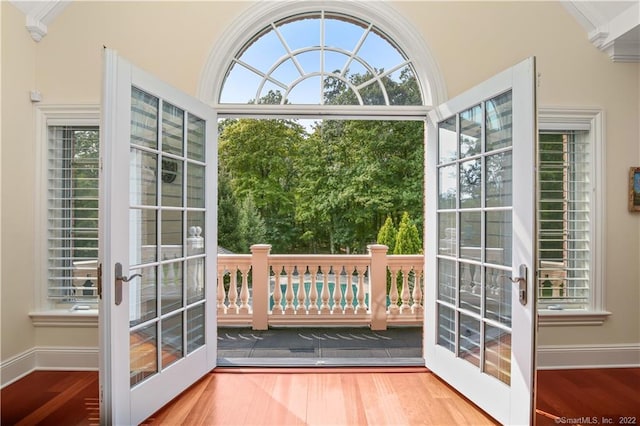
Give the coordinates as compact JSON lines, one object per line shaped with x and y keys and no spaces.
{"x":612,"y":26}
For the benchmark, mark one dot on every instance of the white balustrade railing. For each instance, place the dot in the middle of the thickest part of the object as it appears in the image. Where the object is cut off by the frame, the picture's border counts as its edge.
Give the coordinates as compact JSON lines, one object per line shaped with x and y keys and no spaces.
{"x":263,"y":289}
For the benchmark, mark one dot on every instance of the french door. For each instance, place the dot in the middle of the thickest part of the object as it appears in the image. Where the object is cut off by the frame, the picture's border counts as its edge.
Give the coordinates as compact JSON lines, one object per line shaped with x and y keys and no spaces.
{"x":480,"y":253}
{"x":158,"y":242}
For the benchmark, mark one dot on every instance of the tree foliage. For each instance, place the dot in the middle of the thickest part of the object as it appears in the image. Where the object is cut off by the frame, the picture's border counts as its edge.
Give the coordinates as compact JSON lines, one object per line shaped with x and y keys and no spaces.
{"x":408,"y":240}
{"x":387,"y":234}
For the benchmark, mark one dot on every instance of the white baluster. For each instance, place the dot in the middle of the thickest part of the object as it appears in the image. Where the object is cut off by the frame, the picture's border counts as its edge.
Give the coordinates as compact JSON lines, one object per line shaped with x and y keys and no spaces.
{"x":277,"y":293}
{"x":301,"y":309}
{"x":220,"y":293}
{"x":417,"y":308}
{"x":405,"y":308}
{"x":244,"y":290}
{"x":337,"y":293}
{"x":233,"y":291}
{"x":313,"y":292}
{"x":362,"y":307}
{"x":289,"y":309}
{"x":324,"y":307}
{"x":348,"y":296}
{"x":393,"y":292}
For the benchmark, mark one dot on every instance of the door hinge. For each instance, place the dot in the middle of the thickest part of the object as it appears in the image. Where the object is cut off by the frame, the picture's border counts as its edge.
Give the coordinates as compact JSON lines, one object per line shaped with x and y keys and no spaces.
{"x":99,"y":274}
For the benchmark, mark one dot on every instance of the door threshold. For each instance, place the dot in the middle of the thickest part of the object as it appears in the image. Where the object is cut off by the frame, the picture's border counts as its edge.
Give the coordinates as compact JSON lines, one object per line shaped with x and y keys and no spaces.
{"x":320,"y":362}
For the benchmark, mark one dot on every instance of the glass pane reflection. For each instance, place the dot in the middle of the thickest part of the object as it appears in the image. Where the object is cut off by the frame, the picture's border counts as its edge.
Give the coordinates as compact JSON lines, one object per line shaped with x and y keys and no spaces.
{"x":469,"y":335}
{"x":498,"y":237}
{"x":470,"y":132}
{"x":143,"y":171}
{"x":446,"y":328}
{"x":195,"y":327}
{"x":498,"y":122}
{"x":172,"y":129}
{"x":470,"y":235}
{"x":142,"y":296}
{"x":143,"y":236}
{"x":195,"y":280}
{"x":497,"y":353}
{"x":447,"y":281}
{"x":447,"y":141}
{"x":172,"y":344}
{"x":171,"y":290}
{"x":195,"y":185}
{"x":447,"y":187}
{"x":143,"y":361}
{"x":470,"y":287}
{"x":470,"y":183}
{"x":195,"y":236}
{"x":144,"y":119}
{"x":499,"y":181}
{"x":172,"y":172}
{"x":497,"y":296}
{"x":195,"y":138}
{"x":171,"y":234}
{"x":447,"y":234}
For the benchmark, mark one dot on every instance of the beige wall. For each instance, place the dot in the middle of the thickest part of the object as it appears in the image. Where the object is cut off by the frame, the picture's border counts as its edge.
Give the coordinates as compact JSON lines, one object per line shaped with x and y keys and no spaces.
{"x":470,"y":42}
{"x":18,"y":77}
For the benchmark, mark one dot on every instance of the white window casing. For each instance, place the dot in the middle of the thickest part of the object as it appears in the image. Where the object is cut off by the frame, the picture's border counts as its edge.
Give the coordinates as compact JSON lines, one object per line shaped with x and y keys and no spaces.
{"x":574,"y":293}
{"x":55,"y":269}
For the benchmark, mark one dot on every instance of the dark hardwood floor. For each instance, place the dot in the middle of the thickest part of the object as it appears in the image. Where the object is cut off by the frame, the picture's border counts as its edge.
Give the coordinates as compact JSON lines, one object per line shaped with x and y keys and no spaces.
{"x":64,"y":398}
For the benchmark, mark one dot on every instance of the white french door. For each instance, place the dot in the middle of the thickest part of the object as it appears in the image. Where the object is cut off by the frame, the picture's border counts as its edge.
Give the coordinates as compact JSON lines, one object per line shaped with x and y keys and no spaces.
{"x":158,"y":242}
{"x":480,"y":253}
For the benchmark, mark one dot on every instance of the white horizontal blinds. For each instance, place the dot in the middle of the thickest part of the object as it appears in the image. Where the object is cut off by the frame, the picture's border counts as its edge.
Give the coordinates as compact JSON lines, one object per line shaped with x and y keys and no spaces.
{"x":564,"y":220}
{"x":72,"y":193}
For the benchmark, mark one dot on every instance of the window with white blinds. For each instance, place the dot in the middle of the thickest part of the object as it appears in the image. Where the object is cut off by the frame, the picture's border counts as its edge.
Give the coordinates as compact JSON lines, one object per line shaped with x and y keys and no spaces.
{"x":565,"y":199}
{"x":72,"y":214}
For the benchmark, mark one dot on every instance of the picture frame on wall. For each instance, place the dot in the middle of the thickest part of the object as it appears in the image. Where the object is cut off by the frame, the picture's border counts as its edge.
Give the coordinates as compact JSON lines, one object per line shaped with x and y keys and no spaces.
{"x":634,"y":189}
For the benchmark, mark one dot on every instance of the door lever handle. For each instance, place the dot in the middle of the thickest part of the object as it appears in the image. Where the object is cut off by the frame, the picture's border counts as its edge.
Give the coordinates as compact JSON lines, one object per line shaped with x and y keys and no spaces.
{"x":522,"y":284}
{"x":119,"y":279}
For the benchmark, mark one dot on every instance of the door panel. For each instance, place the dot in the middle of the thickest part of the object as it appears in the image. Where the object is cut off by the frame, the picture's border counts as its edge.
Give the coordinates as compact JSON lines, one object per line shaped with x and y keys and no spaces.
{"x":480,"y":221}
{"x":159,"y":226}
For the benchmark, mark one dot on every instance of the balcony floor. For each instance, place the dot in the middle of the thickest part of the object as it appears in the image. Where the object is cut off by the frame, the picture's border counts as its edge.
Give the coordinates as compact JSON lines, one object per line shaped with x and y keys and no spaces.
{"x":320,"y":347}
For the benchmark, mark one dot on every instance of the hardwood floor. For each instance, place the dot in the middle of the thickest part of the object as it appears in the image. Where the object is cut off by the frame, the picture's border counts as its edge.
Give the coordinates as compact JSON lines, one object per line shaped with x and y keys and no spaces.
{"x":329,"y":396}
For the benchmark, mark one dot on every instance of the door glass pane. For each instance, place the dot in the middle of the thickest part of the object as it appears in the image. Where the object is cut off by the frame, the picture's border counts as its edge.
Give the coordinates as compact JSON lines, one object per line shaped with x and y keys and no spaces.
{"x":470,"y":183}
{"x":171,"y":182}
{"x":195,"y":280}
{"x":143,"y":169}
{"x":498,"y":178}
{"x":172,"y":342}
{"x":195,"y":185}
{"x":498,"y":122}
{"x":447,"y":233}
{"x":497,"y":296}
{"x":171,"y":234}
{"x":447,"y":187}
{"x":171,"y":291}
{"x":447,"y":281}
{"x":498,"y":237}
{"x":469,"y":335}
{"x":195,"y":327}
{"x":470,"y":287}
{"x":471,"y":132}
{"x":144,"y":119}
{"x":497,"y":353}
{"x":446,"y":327}
{"x":143,"y":236}
{"x":142,"y":296}
{"x":470,"y":235}
{"x":195,"y":138}
{"x":195,"y":239}
{"x":172,"y":129}
{"x":143,"y":361}
{"x":447,"y":141}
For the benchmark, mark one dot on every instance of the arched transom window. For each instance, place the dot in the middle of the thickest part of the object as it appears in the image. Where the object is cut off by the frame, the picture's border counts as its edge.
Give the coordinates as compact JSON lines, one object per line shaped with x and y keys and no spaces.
{"x":321,"y":58}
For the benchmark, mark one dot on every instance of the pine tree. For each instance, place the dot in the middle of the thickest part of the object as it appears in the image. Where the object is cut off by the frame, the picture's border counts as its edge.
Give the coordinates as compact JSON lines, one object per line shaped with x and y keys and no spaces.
{"x":387,"y":234}
{"x":251,"y":226}
{"x":408,"y":239}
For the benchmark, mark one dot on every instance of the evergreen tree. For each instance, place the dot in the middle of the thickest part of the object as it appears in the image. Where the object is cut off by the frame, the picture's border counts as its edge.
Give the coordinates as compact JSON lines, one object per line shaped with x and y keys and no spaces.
{"x":251,"y":226}
{"x":228,"y":214}
{"x":387,"y":234}
{"x":408,"y":239}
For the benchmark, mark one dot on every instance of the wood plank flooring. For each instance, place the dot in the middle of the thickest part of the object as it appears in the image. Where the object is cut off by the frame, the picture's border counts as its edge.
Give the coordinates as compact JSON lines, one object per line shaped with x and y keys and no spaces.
{"x":372,"y":396}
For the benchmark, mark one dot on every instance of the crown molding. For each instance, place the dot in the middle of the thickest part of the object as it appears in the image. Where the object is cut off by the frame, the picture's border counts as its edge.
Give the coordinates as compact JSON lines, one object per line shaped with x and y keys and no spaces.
{"x":39,"y":14}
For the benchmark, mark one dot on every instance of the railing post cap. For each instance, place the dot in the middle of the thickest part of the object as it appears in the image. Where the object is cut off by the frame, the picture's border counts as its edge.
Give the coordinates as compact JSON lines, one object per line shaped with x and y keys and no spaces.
{"x":260,"y":247}
{"x":377,"y":247}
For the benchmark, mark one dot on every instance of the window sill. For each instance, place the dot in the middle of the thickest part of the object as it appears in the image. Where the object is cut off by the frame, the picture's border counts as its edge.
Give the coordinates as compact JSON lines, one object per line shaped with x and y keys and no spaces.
{"x":65,"y":318}
{"x":550,"y":318}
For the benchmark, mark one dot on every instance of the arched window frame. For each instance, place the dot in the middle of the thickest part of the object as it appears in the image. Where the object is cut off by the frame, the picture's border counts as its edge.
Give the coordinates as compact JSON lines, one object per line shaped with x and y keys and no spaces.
{"x":380,"y":14}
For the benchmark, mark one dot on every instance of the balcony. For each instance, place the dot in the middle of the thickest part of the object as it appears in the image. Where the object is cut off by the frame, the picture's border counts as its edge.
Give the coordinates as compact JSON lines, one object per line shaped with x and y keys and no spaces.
{"x":260,"y":290}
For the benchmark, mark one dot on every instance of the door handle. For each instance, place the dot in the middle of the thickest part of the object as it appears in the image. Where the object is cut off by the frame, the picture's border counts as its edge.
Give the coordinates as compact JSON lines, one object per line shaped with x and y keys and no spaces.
{"x":119,"y":280}
{"x":522,"y":284}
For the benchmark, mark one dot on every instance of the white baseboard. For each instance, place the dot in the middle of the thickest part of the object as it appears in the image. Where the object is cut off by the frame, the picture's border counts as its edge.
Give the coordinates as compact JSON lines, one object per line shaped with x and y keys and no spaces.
{"x":588,"y":356}
{"x":48,"y":358}
{"x":549,"y":358}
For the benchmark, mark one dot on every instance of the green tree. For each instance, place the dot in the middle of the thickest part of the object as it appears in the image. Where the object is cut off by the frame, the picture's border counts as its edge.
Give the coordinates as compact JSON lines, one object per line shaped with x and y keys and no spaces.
{"x":408,"y":240}
{"x":228,"y":214}
{"x":251,"y":227}
{"x":387,"y":234}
